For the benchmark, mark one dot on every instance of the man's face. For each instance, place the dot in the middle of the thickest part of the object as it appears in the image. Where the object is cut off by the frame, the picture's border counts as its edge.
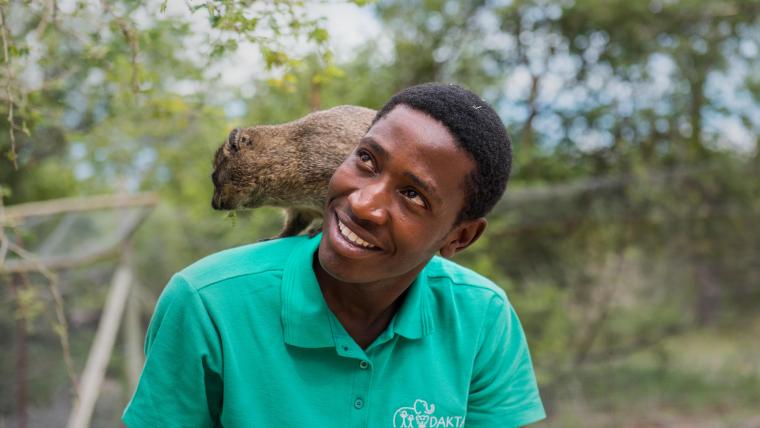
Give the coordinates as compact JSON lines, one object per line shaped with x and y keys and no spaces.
{"x":393,"y":202}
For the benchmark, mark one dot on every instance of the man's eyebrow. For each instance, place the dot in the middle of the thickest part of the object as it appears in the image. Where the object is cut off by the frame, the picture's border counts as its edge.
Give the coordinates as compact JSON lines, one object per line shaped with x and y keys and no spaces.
{"x":426,"y":187}
{"x":377,"y":148}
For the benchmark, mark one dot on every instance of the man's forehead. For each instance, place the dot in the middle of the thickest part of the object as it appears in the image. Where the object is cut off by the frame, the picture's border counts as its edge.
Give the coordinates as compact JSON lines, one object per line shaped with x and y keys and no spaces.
{"x":415,"y":123}
{"x":424,"y":146}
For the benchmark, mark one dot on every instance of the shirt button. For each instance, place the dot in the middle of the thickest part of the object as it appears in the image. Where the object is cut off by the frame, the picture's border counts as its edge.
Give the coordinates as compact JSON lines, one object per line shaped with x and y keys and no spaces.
{"x":359,"y":403}
{"x":364,"y":364}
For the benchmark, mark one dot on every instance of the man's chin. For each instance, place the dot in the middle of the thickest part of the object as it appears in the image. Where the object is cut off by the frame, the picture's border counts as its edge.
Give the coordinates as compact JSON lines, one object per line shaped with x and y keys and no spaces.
{"x":342,"y":268}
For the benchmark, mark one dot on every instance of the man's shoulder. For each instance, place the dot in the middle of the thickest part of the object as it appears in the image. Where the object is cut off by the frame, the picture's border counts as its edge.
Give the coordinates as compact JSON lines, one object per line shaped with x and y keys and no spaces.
{"x":462,"y":280}
{"x":465,"y":301}
{"x":251,"y":259}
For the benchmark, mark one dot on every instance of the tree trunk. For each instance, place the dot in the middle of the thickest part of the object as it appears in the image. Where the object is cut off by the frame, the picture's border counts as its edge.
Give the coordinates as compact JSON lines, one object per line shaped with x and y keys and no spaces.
{"x":21,"y":361}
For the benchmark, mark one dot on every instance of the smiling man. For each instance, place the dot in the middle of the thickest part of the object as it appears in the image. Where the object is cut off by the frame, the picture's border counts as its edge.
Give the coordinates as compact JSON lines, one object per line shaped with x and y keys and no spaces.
{"x":363,"y":325}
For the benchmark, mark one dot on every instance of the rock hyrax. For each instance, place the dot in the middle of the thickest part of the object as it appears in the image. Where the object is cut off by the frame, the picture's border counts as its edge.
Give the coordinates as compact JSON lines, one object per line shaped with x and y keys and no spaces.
{"x":287,"y":165}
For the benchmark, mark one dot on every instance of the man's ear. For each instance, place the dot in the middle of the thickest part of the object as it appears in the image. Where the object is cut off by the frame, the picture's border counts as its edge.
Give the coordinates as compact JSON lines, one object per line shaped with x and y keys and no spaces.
{"x":462,"y":236}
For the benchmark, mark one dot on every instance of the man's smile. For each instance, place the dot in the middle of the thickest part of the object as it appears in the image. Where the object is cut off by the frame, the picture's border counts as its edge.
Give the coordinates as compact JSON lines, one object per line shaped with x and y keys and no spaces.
{"x":392,"y":202}
{"x":354,"y":236}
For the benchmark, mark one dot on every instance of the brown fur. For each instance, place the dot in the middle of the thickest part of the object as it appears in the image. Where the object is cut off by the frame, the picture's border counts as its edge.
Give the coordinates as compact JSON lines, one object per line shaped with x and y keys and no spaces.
{"x":287,"y":165}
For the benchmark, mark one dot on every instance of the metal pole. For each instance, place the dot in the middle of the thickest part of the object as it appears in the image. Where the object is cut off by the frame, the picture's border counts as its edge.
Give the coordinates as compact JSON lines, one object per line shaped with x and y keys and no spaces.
{"x":102,"y":346}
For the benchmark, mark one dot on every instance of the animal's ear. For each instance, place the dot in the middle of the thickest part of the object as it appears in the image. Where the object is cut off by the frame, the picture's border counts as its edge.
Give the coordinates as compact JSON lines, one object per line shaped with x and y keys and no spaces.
{"x":232,"y":140}
{"x":245,"y":139}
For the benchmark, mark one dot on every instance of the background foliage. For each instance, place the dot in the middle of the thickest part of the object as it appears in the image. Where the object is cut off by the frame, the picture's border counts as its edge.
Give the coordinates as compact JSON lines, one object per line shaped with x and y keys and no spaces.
{"x":627,"y":239}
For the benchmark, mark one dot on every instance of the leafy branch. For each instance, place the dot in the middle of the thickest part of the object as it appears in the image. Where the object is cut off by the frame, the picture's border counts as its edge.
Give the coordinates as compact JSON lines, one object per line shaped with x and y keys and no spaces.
{"x":130,"y":33}
{"x":8,"y":83}
{"x":60,"y":326}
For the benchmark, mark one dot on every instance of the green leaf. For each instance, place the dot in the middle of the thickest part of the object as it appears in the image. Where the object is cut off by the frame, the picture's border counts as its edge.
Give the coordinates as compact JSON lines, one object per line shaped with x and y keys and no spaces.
{"x":232,"y":217}
{"x":274,"y":58}
{"x":319,"y":35}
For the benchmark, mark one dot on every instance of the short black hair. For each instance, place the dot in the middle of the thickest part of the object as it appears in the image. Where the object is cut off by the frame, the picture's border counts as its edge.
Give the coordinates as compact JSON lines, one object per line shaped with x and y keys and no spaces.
{"x":476,"y":128}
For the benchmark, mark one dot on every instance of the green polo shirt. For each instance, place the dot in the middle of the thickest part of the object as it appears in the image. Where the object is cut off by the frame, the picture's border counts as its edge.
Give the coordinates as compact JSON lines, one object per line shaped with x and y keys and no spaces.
{"x":244,"y":338}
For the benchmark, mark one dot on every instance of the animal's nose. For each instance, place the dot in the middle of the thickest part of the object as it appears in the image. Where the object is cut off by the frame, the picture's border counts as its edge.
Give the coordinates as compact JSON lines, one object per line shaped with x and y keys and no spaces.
{"x":215,"y":177}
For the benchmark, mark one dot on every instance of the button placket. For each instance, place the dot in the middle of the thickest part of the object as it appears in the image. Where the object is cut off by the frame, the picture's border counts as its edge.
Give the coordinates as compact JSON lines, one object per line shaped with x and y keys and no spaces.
{"x":360,"y":392}
{"x":358,"y":403}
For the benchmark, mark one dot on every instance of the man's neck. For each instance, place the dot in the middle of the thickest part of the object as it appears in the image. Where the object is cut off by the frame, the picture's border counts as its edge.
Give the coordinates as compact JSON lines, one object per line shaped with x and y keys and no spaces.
{"x":365,"y":309}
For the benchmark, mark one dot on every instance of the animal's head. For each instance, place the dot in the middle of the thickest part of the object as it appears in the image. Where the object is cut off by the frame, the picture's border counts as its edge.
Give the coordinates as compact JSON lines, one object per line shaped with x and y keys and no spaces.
{"x":237,"y":170}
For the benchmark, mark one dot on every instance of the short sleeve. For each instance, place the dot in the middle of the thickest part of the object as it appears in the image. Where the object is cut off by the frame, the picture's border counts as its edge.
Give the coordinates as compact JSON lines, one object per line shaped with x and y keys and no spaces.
{"x":180,"y":385}
{"x":503,"y":390}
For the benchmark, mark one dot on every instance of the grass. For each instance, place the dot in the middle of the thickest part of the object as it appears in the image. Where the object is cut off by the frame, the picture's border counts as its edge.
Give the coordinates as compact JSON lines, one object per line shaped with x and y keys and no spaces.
{"x":708,"y":378}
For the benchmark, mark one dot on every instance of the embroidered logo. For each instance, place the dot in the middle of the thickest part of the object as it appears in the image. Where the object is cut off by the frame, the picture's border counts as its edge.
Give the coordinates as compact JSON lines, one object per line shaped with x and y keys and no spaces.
{"x":422,"y":415}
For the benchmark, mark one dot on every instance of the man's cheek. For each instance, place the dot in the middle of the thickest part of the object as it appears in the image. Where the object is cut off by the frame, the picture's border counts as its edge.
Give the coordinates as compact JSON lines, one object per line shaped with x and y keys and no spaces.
{"x":339,"y":180}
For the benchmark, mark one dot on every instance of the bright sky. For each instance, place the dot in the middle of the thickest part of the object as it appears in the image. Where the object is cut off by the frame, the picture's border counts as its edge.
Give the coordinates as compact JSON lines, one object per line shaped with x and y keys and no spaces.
{"x":350,"y":26}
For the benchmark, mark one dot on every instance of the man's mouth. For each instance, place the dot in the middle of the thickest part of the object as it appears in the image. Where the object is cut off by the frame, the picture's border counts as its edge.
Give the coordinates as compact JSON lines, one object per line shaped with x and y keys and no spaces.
{"x":352,"y":237}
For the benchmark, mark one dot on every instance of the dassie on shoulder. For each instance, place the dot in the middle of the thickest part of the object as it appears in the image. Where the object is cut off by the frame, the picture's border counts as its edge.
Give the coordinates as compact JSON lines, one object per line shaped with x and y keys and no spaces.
{"x":287,"y":165}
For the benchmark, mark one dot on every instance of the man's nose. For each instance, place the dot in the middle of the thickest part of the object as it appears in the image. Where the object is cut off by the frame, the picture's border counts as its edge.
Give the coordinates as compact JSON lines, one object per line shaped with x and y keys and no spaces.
{"x":371,"y":203}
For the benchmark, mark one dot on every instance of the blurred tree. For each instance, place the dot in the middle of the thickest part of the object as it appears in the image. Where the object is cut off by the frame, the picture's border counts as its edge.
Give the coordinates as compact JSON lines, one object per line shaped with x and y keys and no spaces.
{"x":628,"y":95}
{"x":631,"y":213}
{"x":124,"y":96}
{"x":120,"y":55}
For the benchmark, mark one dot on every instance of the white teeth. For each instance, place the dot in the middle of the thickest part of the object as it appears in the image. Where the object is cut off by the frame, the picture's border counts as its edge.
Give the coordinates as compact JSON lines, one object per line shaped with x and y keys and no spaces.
{"x":351,"y":236}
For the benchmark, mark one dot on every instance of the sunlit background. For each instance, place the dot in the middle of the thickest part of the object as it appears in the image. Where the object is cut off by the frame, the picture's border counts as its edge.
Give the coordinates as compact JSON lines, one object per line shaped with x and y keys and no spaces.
{"x":628,"y":238}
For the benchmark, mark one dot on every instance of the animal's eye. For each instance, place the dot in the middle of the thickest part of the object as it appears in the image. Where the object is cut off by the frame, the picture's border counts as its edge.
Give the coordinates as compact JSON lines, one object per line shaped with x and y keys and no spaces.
{"x":414,"y":197}
{"x":218,"y":156}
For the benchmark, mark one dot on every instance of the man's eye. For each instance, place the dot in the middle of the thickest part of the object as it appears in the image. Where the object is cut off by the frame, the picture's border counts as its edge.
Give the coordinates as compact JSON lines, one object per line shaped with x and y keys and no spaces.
{"x":414,"y":197}
{"x":365,"y":158}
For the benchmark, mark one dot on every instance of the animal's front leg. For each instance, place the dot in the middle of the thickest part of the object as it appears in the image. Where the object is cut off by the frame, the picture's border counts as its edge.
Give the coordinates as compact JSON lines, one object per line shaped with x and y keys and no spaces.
{"x":314,"y":229}
{"x":295,"y":222}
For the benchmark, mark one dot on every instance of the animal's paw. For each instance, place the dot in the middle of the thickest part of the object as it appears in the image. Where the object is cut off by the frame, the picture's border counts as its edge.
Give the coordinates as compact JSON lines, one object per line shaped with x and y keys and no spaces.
{"x":313,"y":231}
{"x":283,"y":234}
{"x":278,"y":236}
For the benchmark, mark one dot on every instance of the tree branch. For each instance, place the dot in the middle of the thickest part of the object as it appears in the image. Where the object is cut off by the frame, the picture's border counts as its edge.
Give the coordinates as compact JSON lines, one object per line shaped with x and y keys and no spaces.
{"x":76,"y":204}
{"x":8,"y":86}
{"x":134,"y":44}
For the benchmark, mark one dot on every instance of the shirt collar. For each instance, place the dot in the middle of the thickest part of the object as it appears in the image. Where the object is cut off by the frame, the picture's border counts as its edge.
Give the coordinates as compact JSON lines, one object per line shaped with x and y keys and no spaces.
{"x":306,"y":317}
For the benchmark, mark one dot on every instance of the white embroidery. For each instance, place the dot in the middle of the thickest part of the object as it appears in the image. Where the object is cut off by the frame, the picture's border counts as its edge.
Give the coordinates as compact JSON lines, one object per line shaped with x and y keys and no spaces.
{"x":422,"y":415}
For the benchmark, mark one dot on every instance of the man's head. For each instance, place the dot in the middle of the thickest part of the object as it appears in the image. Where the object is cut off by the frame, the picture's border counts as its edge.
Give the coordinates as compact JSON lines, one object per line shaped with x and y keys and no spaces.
{"x":412,"y":188}
{"x":476,"y":128}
